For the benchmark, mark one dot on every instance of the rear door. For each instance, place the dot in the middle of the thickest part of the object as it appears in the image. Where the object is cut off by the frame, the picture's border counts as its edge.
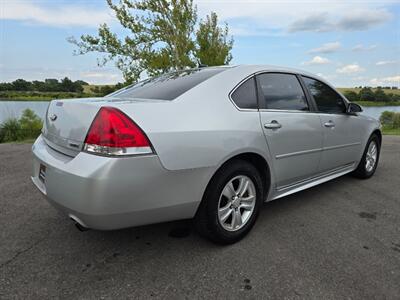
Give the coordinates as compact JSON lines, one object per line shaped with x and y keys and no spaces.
{"x":342,"y":132}
{"x":292,"y":130}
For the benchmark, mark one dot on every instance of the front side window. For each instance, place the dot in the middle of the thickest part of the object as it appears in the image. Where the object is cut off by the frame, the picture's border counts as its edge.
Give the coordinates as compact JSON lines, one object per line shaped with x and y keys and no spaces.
{"x":245,"y":95}
{"x":327,"y":100}
{"x":281,"y":91}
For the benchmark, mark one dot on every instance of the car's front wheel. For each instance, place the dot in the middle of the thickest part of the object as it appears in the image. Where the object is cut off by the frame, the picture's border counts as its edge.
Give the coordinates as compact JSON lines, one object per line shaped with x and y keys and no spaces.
{"x":231,"y":203}
{"x":369,"y":162}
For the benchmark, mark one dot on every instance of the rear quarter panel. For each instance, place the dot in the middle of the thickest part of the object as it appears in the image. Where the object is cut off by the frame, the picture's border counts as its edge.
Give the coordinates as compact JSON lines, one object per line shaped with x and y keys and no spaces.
{"x":201,"y":128}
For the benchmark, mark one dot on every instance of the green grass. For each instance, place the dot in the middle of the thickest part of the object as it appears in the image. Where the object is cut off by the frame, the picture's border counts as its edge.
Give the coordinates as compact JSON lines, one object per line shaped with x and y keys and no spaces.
{"x":390,"y":131}
{"x":89,"y":88}
{"x":375,"y":103}
{"x":41,"y":96}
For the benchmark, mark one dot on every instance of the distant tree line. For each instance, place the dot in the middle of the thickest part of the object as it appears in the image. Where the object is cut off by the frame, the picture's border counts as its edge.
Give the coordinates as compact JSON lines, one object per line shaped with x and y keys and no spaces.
{"x":368,"y":94}
{"x":48,"y":85}
{"x":107,"y":89}
{"x":381,"y":87}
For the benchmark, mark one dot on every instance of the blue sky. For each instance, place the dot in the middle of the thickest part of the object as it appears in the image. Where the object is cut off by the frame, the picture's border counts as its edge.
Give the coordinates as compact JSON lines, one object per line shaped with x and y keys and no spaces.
{"x":349,"y":42}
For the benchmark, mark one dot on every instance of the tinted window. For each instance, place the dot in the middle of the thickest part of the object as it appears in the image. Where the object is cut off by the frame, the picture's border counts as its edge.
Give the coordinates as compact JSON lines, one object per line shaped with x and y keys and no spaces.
{"x":326,"y":98}
{"x":168,"y":86}
{"x":281,"y":91}
{"x":245,"y":95}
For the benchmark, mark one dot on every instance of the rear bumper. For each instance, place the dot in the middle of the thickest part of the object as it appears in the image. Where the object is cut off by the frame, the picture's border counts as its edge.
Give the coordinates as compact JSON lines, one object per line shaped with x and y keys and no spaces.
{"x":110,"y":193}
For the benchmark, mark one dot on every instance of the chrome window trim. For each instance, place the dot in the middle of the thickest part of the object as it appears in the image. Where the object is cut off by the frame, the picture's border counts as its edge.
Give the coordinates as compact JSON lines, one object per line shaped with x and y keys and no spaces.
{"x":309,"y":106}
{"x":258,"y":109}
{"x":285,"y":110}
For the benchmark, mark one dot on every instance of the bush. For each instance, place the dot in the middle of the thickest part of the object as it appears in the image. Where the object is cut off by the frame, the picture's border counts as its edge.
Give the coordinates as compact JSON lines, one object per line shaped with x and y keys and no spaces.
{"x":396,"y":121}
{"x":10,"y":130}
{"x":28,"y":126}
{"x":31,"y":124}
{"x":390,"y":119}
{"x":366,"y":94}
{"x":386,"y":117}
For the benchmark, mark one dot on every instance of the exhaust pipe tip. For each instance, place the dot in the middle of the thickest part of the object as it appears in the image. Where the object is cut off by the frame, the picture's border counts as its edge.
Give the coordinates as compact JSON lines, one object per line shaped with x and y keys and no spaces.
{"x":78,"y":224}
{"x":80,"y":227}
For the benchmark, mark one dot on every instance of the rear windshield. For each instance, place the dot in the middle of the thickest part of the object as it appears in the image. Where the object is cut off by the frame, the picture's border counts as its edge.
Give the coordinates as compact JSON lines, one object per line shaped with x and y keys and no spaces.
{"x":168,"y":86}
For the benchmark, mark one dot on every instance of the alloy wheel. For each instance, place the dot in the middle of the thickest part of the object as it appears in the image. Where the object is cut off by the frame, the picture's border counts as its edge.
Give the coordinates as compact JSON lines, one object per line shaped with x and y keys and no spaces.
{"x":236,"y":203}
{"x":370,"y":158}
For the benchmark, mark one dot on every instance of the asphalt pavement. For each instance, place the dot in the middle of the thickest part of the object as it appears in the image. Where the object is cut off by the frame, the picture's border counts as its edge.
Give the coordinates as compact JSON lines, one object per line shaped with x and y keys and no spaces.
{"x":337,"y":240}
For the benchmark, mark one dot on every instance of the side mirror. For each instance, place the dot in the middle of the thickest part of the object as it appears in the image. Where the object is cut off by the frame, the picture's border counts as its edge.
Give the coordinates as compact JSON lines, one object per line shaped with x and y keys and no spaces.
{"x":353,"y":108}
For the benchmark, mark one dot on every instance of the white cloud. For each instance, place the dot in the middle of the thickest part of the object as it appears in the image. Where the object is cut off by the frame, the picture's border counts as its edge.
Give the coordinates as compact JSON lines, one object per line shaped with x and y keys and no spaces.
{"x":327,"y":77}
{"x":386,"y":62}
{"x":266,"y":16}
{"x":359,"y":78}
{"x":350,"y":69}
{"x":101,"y":77}
{"x":361,"y":47}
{"x":316,"y":15}
{"x":62,"y":15}
{"x":317,"y":60}
{"x":391,"y":80}
{"x":363,"y":19}
{"x":326,"y":48}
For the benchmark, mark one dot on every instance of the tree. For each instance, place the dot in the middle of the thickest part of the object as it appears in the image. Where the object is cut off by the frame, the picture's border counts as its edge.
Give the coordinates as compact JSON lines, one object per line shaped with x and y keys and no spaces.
{"x":21,"y":85}
{"x":6,"y":86}
{"x":160,"y":38}
{"x":380,"y":95}
{"x":66,"y":85}
{"x":81,"y":82}
{"x":213,"y":44}
{"x":366,"y":94}
{"x":51,"y":85}
{"x":351,"y":96}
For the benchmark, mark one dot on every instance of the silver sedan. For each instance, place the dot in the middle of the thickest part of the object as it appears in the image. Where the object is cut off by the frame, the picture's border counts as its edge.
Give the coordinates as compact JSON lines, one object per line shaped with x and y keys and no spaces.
{"x":210,"y":144}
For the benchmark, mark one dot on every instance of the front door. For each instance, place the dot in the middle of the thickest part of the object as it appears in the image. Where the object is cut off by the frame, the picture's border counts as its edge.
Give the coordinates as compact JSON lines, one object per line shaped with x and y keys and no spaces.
{"x":293,"y":133}
{"x":341,"y":131}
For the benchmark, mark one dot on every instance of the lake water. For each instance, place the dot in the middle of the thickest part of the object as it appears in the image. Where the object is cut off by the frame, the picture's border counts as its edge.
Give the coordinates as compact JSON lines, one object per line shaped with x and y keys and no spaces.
{"x":15,"y":108}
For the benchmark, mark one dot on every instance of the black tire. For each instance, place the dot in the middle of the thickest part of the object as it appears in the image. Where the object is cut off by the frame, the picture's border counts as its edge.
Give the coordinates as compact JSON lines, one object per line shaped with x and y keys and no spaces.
{"x":361,"y":171}
{"x":206,"y":220}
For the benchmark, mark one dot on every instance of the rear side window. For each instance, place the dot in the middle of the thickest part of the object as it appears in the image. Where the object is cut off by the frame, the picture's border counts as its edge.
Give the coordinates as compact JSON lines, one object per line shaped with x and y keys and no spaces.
{"x":245,"y":95}
{"x":326,"y":98}
{"x":281,"y":91}
{"x":168,"y":86}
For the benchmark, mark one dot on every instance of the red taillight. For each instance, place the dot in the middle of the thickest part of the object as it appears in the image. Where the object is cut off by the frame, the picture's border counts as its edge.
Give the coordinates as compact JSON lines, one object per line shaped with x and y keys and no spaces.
{"x":114,"y":133}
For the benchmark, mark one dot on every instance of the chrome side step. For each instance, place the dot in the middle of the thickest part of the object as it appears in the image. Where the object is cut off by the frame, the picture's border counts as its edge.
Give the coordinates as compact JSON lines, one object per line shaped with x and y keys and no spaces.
{"x":305,"y":184}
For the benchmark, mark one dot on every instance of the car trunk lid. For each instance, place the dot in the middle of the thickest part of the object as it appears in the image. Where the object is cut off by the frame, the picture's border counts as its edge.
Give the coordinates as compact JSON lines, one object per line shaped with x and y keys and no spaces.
{"x":67,"y":122}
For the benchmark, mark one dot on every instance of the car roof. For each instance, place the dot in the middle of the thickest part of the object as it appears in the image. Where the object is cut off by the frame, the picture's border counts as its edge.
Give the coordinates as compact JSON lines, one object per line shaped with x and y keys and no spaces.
{"x":247,"y":70}
{"x":274,"y":68}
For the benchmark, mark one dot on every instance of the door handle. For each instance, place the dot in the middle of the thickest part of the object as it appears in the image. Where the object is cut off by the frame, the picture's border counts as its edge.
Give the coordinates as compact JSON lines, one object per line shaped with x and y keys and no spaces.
{"x":329,"y":124}
{"x":273,"y":125}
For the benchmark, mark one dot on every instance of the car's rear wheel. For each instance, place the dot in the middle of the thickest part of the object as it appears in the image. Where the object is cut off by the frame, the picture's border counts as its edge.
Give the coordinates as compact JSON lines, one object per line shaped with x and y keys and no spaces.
{"x":231,"y":203}
{"x":369,"y":162}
